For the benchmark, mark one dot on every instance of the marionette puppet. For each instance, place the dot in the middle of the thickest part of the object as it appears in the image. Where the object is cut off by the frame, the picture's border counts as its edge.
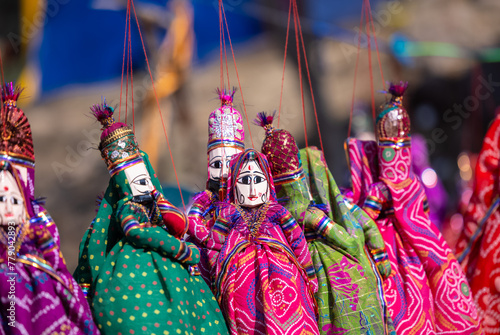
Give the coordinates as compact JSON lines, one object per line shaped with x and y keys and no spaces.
{"x":477,"y":248}
{"x":226,"y":136}
{"x":427,"y":291}
{"x":350,"y":299}
{"x":38,"y":295}
{"x":133,"y":261}
{"x":264,"y":277}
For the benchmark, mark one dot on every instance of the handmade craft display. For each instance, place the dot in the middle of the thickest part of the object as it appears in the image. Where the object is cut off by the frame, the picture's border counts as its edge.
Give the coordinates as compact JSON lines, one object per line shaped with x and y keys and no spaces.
{"x":477,"y":249}
{"x":350,"y":296}
{"x":133,"y":261}
{"x":226,"y":136}
{"x":264,"y":277}
{"x":38,"y":294}
{"x":427,"y":291}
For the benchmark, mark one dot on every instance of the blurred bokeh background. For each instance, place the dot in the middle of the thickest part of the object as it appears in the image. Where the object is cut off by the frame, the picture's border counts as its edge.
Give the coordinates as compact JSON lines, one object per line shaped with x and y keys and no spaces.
{"x":68,"y":54}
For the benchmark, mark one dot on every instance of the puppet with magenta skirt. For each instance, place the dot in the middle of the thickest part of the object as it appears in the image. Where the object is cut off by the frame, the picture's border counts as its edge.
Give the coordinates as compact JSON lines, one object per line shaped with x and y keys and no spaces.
{"x":133,"y":261}
{"x":264,"y":277}
{"x":226,"y":136}
{"x":38,"y":294}
{"x":427,"y":291}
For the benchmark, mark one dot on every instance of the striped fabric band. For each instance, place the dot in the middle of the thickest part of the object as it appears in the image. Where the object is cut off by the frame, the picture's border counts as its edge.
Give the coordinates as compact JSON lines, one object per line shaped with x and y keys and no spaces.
{"x":322,"y":225}
{"x":17,"y":160}
{"x":218,"y":142}
{"x":394,"y":143}
{"x":221,"y":226}
{"x":379,"y":255}
{"x":122,"y":164}
{"x":373,"y":204}
{"x":130,"y":222}
{"x":47,"y":245}
{"x":289,"y":177}
{"x":185,"y":252}
{"x":289,"y":223}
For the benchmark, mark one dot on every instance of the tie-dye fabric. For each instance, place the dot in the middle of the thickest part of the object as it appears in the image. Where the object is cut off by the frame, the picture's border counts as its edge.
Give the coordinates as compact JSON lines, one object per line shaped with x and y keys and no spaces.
{"x":264,"y":277}
{"x":427,"y":292}
{"x":349,"y":295}
{"x":47,"y":298}
{"x":477,"y":249}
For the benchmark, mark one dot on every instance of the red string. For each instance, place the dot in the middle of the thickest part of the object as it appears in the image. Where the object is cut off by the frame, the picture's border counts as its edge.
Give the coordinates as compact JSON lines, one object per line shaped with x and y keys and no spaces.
{"x":126,"y":86}
{"x":127,"y":22}
{"x":159,"y":109}
{"x":310,"y":82}
{"x":221,"y":32}
{"x":356,"y":69}
{"x":131,"y":78}
{"x":237,"y":75}
{"x":297,"y":42}
{"x":284,"y":60}
{"x":376,"y":44}
{"x":225,"y":57}
{"x":370,"y":67}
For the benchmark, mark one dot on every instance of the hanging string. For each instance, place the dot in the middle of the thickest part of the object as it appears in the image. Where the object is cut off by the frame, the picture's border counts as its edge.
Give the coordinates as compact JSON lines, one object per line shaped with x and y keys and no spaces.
{"x":221,"y":32}
{"x":131,"y":78}
{"x":284,"y":60}
{"x":370,"y":67}
{"x":237,"y":74}
{"x":126,"y":84}
{"x":297,"y":42}
{"x":127,"y":22}
{"x":375,"y":41}
{"x":225,"y":58}
{"x":159,"y":109}
{"x":356,"y":69}
{"x":310,"y":81}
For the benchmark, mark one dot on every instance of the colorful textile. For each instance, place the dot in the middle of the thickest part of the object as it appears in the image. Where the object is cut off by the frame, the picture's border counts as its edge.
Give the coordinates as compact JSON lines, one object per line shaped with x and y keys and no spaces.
{"x":138,"y":273}
{"x":349,"y":298}
{"x":426,"y":291}
{"x":47,"y":298}
{"x":477,"y":249}
{"x":264,"y":277}
{"x":38,"y":295}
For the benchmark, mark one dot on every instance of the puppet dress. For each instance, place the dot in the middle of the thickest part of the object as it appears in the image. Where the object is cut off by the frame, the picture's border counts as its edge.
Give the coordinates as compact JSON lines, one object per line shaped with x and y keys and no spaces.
{"x":427,"y":291}
{"x":349,"y":298}
{"x":47,"y":298}
{"x":145,"y":286}
{"x":265,"y":280}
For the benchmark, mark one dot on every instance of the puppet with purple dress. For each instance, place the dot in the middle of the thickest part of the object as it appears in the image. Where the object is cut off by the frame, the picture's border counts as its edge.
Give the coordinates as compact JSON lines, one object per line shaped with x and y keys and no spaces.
{"x":38,"y":294}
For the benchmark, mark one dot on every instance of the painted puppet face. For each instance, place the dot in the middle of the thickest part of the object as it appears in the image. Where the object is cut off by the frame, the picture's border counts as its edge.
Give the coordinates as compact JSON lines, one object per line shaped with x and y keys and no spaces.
{"x":139,"y":179}
{"x":11,"y":200}
{"x":218,"y":162}
{"x":252,"y":187}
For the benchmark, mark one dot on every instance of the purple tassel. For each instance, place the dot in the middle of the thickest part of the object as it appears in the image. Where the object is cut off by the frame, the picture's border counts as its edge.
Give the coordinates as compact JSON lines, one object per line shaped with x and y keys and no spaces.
{"x":226,"y":96}
{"x":264,"y":120}
{"x":397,"y":90}
{"x":11,"y":92}
{"x":102,"y":112}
